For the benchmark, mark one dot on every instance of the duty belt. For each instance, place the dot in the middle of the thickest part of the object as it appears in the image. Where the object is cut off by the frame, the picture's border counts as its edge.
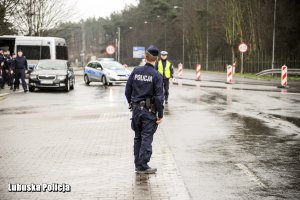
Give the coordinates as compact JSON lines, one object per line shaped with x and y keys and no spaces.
{"x":142,"y":105}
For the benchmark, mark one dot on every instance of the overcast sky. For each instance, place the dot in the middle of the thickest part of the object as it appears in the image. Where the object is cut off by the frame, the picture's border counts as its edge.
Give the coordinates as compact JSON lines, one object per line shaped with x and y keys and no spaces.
{"x":100,"y":8}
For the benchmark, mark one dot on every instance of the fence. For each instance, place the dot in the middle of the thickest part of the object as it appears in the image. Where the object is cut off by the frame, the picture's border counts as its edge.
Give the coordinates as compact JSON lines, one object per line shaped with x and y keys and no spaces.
{"x":253,"y":63}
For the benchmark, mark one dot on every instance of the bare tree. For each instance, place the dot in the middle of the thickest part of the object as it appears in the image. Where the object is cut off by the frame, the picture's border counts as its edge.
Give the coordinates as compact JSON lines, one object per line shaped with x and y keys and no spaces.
{"x":7,"y":8}
{"x":33,"y":17}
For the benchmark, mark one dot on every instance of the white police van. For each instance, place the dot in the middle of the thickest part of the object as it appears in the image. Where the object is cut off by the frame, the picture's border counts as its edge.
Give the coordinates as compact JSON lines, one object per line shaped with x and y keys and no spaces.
{"x":36,"y":48}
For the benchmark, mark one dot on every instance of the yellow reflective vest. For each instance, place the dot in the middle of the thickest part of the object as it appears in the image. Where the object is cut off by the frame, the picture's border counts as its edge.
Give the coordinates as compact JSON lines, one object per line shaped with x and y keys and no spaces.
{"x":160,"y":69}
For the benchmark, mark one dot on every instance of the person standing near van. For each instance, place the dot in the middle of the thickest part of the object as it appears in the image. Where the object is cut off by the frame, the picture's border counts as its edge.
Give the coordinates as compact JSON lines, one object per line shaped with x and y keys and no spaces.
{"x":21,"y":67}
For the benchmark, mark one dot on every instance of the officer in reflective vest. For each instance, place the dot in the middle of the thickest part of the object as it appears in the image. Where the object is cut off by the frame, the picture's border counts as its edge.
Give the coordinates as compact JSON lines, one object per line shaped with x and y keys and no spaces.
{"x":165,"y":68}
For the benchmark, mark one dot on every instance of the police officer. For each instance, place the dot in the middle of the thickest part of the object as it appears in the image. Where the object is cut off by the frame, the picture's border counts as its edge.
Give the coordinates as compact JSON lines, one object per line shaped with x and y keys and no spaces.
{"x":165,"y":68}
{"x":1,"y":66}
{"x":5,"y":69}
{"x":20,"y":68}
{"x":9,"y":61}
{"x":144,"y":93}
{"x":15,"y":83}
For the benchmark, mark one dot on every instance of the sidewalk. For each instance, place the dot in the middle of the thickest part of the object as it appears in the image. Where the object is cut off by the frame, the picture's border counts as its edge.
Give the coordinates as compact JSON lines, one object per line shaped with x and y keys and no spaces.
{"x":93,"y":153}
{"x":6,"y":91}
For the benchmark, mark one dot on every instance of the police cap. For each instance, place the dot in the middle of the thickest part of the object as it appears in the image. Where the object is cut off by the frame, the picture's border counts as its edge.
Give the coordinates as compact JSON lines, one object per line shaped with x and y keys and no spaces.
{"x":164,"y":53}
{"x":153,"y":50}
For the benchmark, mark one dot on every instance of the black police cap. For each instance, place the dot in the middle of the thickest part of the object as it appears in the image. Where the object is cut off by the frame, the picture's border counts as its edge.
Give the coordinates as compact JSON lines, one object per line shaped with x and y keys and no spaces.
{"x":153,"y":50}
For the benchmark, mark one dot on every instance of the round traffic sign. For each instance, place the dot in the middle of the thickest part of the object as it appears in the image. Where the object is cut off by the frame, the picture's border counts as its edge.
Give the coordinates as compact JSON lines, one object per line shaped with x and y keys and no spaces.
{"x":243,"y":47}
{"x":110,"y":49}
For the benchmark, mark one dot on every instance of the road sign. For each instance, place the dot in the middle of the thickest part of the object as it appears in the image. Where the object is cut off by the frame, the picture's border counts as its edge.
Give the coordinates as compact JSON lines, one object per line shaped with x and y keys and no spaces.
{"x":110,"y":49}
{"x":138,"y":52}
{"x":243,"y":47}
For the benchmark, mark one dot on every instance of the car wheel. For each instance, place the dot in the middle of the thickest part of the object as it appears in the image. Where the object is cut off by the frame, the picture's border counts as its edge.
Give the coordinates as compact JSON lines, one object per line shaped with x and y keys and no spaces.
{"x":86,"y":80}
{"x":104,"y":80}
{"x":31,"y":89}
{"x":67,"y":88}
{"x":110,"y":83}
{"x":73,"y":85}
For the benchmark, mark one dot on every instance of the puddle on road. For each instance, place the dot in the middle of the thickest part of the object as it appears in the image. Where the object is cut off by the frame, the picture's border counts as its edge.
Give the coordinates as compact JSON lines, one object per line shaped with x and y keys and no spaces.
{"x":293,"y":120}
{"x":18,"y":110}
{"x":274,"y":153}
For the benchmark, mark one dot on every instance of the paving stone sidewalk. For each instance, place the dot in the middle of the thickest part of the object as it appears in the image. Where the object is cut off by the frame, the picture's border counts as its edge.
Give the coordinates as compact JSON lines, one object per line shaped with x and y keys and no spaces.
{"x":87,"y":147}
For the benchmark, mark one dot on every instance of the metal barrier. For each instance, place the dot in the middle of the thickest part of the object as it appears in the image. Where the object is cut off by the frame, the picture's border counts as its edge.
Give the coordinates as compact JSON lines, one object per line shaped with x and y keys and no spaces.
{"x":278,"y":71}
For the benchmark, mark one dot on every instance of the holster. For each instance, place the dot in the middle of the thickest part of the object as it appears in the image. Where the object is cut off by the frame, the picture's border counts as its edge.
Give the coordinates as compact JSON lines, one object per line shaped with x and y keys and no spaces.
{"x":148,"y":105}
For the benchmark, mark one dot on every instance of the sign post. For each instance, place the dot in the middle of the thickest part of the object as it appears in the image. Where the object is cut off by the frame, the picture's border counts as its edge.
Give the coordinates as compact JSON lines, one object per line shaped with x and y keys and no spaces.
{"x":242,"y":48}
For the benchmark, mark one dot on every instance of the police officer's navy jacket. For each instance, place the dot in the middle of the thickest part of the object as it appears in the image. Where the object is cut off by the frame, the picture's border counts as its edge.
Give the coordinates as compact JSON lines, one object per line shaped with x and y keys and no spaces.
{"x":21,"y":63}
{"x":145,"y":82}
{"x":2,"y":59}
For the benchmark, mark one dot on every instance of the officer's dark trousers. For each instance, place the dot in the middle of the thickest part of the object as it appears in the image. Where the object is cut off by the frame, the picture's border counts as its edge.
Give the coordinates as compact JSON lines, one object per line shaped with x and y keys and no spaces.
{"x":144,"y":125}
{"x":20,"y":74}
{"x":166,"y":88}
{"x":16,"y":82}
{"x":5,"y":78}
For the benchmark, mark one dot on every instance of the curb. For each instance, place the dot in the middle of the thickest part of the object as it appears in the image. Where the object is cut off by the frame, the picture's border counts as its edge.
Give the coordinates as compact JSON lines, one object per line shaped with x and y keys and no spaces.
{"x":4,"y":94}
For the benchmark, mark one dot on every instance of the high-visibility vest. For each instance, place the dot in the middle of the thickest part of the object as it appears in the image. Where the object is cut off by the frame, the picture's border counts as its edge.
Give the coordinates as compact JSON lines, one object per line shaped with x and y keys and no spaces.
{"x":167,"y":68}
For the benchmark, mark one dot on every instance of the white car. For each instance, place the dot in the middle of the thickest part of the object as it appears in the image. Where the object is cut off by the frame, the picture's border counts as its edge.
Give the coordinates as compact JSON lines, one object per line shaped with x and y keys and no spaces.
{"x":106,"y":71}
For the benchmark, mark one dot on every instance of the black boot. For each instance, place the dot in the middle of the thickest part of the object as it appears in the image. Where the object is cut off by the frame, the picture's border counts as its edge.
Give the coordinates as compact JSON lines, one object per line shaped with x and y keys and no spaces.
{"x":147,"y":171}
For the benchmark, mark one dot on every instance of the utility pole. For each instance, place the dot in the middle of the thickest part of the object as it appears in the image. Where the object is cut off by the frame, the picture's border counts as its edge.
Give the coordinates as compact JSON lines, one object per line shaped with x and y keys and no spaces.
{"x":183,"y":35}
{"x":233,"y":56}
{"x":117,"y":50}
{"x":119,"y":43}
{"x":83,"y":44}
{"x":177,"y":7}
{"x":274,"y":27}
{"x":206,"y":35}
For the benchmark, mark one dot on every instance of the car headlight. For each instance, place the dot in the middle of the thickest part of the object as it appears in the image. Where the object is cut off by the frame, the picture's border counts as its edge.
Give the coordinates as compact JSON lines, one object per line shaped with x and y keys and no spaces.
{"x":112,"y":74}
{"x":33,"y":76}
{"x":61,"y":77}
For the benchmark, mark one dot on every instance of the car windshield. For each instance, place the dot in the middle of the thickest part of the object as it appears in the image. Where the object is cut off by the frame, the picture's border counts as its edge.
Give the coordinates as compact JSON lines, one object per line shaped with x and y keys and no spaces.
{"x":52,"y":65}
{"x":112,"y":65}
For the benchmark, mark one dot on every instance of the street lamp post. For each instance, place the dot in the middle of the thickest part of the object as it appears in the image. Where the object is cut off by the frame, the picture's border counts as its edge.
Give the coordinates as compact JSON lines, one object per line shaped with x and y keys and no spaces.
{"x":274,"y":26}
{"x":207,"y":35}
{"x":165,"y":32}
{"x":119,"y":43}
{"x":147,"y":22}
{"x":183,"y":42}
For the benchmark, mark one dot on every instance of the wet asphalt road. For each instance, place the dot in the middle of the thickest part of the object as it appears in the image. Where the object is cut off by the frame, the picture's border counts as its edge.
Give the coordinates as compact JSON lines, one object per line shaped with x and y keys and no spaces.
{"x":227,"y":143}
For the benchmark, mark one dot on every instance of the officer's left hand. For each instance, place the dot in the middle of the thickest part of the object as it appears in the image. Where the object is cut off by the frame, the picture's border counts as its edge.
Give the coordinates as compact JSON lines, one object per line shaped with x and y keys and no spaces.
{"x":158,"y":121}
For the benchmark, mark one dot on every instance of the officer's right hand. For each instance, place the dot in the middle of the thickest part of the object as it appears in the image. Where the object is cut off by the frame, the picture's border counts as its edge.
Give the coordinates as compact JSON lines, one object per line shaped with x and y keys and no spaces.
{"x":158,"y":120}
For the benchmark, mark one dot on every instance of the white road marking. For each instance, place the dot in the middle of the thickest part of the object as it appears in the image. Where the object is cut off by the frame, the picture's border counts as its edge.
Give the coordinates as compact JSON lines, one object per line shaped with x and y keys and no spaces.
{"x":251,"y":175}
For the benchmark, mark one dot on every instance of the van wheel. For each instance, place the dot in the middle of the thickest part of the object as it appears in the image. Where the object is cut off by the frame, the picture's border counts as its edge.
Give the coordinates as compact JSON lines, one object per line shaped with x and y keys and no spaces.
{"x":104,"y":81}
{"x":86,"y":80}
